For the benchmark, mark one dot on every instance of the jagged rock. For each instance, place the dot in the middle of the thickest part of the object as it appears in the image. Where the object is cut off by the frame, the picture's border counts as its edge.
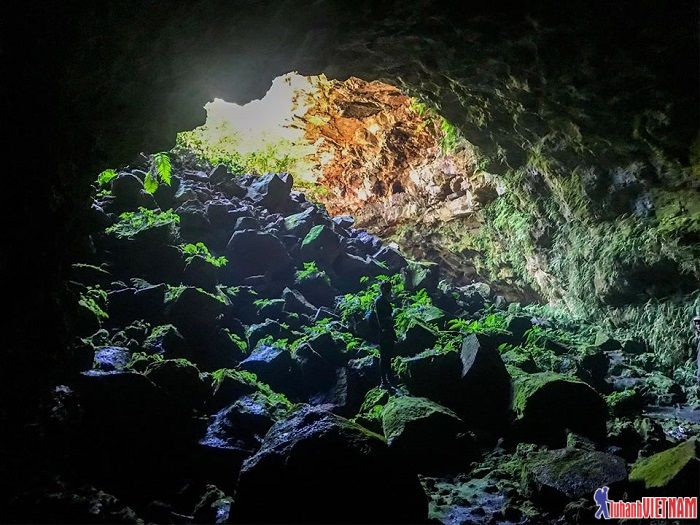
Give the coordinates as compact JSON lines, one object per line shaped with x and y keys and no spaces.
{"x":429,"y":436}
{"x":673,"y":472}
{"x":309,"y":448}
{"x":556,"y":475}
{"x":637,"y":437}
{"x":321,"y":244}
{"x":435,"y":375}
{"x":348,"y":269}
{"x":247,"y":223}
{"x":256,"y":253}
{"x":165,"y":340}
{"x":394,"y":261}
{"x":194,"y":311}
{"x":200,"y":273}
{"x":270,"y":191}
{"x":111,"y":358}
{"x":546,"y":404}
{"x":421,"y":275}
{"x":417,"y":338}
{"x":193,"y":220}
{"x":295,"y":302}
{"x":485,"y":382}
{"x":317,"y":374}
{"x":318,"y":290}
{"x":267,"y":328}
{"x":520,"y":360}
{"x":89,"y":274}
{"x":301,"y":223}
{"x":180,"y":378}
{"x":272,"y":365}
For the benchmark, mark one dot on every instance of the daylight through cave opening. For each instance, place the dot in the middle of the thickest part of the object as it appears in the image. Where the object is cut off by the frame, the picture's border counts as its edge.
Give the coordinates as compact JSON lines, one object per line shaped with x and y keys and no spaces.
{"x":360,"y":148}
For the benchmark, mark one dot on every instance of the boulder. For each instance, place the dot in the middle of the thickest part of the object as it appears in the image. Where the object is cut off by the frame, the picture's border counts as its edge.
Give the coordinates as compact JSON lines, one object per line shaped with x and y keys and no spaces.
{"x":391,"y":257}
{"x":295,"y":302}
{"x":316,"y":373}
{"x":200,"y":273}
{"x":553,"y":477}
{"x":301,"y":223}
{"x":304,"y":453}
{"x":267,"y":328}
{"x":485,"y":384}
{"x":247,"y":223}
{"x":592,"y":367}
{"x":435,"y":375}
{"x":430,"y":437}
{"x":318,"y":290}
{"x":255,"y":253}
{"x":272,"y":365}
{"x":606,"y":343}
{"x":417,"y":338}
{"x":348,"y":269}
{"x":419,"y":275}
{"x":271,"y":191}
{"x":165,"y":340}
{"x":195,"y":311}
{"x":127,"y":189}
{"x":194,"y":223}
{"x":517,"y":326}
{"x":180,"y":379}
{"x":111,"y":358}
{"x":321,"y":244}
{"x":673,"y":472}
{"x":547,"y":404}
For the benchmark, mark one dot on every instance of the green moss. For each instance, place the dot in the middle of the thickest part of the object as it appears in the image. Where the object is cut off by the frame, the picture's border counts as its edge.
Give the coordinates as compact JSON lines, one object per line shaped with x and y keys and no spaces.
{"x":525,"y":385}
{"x":660,"y":469}
{"x":313,"y":234}
{"x":140,"y":361}
{"x":311,"y":271}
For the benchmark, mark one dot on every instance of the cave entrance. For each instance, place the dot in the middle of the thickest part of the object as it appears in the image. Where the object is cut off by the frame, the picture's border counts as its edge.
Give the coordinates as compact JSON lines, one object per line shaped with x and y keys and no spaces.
{"x":360,"y":148}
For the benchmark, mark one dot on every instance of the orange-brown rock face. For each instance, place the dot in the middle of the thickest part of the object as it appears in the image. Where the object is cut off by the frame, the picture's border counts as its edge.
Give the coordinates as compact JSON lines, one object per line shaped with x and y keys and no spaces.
{"x":380,"y":158}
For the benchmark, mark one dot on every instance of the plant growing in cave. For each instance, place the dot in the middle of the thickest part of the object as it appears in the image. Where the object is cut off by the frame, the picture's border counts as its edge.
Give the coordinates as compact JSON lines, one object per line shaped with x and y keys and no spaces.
{"x":200,"y":249}
{"x":160,"y":172}
{"x":105,"y":177}
{"x":311,"y":271}
{"x":95,"y":300}
{"x":132,"y":223}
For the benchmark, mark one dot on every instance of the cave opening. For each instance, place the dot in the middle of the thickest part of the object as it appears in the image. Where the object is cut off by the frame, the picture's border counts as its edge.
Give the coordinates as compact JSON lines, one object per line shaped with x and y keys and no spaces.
{"x":201,"y":343}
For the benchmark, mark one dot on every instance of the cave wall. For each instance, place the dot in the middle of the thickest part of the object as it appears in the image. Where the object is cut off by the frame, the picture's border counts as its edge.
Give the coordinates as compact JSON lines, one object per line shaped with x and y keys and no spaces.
{"x":566,"y":102}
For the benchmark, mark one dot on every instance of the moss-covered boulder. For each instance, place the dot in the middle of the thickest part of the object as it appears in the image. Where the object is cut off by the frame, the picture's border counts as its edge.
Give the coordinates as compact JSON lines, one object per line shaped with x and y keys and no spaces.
{"x":431,"y":437}
{"x":555,"y":476}
{"x":673,"y":472}
{"x":546,"y":404}
{"x":331,"y":470}
{"x":193,"y":310}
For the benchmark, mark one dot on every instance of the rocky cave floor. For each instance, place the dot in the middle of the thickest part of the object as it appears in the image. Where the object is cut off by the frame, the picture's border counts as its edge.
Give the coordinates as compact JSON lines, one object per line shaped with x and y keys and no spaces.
{"x":236,"y":380}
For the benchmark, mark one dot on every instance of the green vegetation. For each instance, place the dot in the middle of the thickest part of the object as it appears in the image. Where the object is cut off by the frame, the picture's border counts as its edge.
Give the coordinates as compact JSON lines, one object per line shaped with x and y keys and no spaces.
{"x":250,"y":379}
{"x":140,"y":361}
{"x":660,"y":469}
{"x":311,"y":271}
{"x":450,"y":136}
{"x":95,"y":300}
{"x":274,"y":157}
{"x":131,"y":223}
{"x":105,"y":177}
{"x":159,"y":172}
{"x":200,"y":249}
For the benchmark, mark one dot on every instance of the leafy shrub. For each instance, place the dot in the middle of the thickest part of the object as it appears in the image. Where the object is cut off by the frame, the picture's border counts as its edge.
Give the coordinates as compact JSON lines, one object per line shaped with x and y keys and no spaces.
{"x":249,"y":378}
{"x":132,"y":223}
{"x":192,"y":250}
